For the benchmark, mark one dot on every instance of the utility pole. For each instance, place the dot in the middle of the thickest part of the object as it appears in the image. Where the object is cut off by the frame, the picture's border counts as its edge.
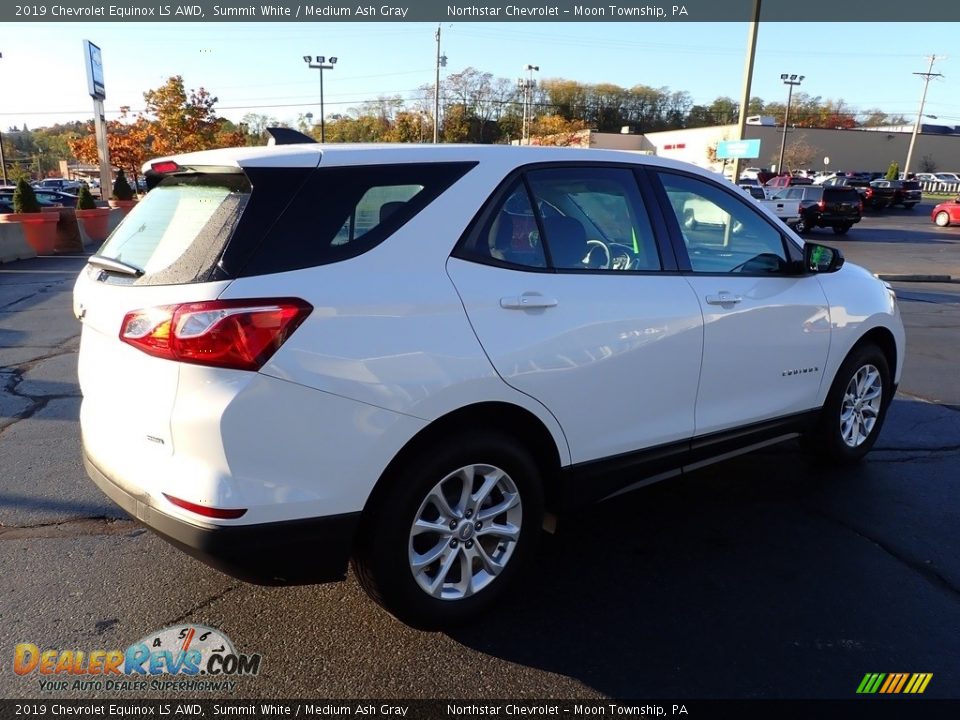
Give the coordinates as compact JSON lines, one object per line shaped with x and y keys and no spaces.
{"x":3,"y":162}
{"x":747,"y":79}
{"x":923,"y":98}
{"x":441,"y":62}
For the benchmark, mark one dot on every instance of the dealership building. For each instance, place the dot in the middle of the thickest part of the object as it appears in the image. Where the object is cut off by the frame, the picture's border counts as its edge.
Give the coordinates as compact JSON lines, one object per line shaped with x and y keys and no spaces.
{"x":866,"y":149}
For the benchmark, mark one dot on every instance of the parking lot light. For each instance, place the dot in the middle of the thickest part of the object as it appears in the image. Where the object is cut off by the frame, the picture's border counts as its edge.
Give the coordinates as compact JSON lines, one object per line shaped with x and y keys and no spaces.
{"x":790,"y":80}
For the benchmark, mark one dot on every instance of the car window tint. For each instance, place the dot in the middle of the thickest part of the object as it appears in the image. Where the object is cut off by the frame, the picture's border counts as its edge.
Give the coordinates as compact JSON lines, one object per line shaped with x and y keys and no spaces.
{"x":512,"y":235}
{"x":377,"y":204}
{"x":722,"y":234}
{"x":338,"y":213}
{"x":597,"y":219}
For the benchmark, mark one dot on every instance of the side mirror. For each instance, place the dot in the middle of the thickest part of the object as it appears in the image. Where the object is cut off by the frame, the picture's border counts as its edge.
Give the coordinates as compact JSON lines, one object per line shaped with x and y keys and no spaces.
{"x":821,"y":259}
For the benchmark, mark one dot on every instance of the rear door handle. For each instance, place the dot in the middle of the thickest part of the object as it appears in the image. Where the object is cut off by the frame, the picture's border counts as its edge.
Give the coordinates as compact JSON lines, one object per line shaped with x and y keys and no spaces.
{"x":723,"y":298}
{"x":527,"y":301}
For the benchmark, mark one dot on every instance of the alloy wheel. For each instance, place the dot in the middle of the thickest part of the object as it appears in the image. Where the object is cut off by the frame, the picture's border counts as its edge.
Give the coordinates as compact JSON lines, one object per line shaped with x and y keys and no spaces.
{"x":465,"y":532}
{"x":860,"y":407}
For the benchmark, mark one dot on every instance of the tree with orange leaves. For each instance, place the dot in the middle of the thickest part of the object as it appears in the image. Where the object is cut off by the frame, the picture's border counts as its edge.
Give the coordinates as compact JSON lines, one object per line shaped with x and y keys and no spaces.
{"x":128,"y":140}
{"x":175,"y":121}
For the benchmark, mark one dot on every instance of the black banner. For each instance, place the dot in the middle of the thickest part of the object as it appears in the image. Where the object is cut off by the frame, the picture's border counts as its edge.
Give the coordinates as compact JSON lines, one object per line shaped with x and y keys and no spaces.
{"x":874,"y":707}
{"x":492,"y":11}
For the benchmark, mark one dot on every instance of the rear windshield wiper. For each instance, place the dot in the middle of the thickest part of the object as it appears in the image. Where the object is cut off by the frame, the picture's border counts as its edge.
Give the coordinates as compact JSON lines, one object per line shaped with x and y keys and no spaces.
{"x":114,"y":265}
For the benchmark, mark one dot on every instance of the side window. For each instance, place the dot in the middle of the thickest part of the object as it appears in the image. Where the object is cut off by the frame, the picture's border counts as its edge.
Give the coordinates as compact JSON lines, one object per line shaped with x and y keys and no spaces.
{"x":511,"y":235}
{"x":722,"y":234}
{"x":377,"y":204}
{"x":594,"y":219}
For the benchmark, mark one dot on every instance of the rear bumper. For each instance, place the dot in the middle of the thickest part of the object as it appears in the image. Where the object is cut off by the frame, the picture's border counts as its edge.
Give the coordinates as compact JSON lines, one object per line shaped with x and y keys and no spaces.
{"x":293,"y":552}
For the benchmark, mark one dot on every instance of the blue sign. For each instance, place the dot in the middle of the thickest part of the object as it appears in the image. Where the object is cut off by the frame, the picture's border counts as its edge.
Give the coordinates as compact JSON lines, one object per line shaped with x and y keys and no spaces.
{"x":728,"y":149}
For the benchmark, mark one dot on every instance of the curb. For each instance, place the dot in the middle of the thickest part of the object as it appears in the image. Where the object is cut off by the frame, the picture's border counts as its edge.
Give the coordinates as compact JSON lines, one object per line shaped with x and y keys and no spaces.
{"x":920,"y":278}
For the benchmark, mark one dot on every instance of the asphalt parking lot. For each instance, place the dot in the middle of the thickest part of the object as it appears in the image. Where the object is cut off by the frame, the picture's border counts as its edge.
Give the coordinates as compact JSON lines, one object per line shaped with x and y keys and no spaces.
{"x":764,"y":577}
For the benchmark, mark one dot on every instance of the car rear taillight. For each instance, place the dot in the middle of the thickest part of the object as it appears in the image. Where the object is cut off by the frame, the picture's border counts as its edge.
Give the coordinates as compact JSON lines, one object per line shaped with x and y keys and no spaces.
{"x":237,"y":334}
{"x":822,"y":205}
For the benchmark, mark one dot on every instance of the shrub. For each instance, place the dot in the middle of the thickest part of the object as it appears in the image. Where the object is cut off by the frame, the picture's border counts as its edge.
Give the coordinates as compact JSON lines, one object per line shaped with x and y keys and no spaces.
{"x":24,"y":199}
{"x":893,"y":172}
{"x":121,"y":188}
{"x":85,"y":199}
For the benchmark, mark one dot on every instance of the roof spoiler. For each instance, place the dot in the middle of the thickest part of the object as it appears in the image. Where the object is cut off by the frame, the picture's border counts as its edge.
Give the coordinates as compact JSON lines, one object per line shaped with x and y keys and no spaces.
{"x":287,"y":136}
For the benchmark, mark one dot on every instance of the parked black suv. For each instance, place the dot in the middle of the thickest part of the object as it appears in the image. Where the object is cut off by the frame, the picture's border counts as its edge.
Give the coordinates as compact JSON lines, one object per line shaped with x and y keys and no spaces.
{"x":905,"y":192}
{"x":832,"y":206}
{"x":872,"y":196}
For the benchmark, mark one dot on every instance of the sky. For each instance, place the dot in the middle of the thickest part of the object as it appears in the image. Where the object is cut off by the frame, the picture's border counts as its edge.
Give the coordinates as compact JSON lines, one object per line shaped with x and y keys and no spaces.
{"x":259,"y":68}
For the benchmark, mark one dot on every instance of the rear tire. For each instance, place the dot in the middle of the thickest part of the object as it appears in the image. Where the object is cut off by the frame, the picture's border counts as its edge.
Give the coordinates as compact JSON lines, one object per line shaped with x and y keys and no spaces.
{"x":455,"y":527}
{"x":909,"y":206}
{"x":802,"y":226}
{"x":853,"y":415}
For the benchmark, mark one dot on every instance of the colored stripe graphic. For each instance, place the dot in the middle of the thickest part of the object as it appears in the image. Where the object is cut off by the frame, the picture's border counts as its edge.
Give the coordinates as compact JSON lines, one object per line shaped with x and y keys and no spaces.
{"x":894,"y":683}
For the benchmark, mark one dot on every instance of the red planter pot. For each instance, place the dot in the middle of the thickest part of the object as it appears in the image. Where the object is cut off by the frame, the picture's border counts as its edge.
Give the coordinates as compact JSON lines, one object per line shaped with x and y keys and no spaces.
{"x":124,"y":205}
{"x":39,"y":229}
{"x":96,"y":223}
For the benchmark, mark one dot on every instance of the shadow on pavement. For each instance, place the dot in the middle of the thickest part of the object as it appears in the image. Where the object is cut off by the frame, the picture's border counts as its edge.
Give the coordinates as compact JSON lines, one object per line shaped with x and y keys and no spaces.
{"x":765,"y":576}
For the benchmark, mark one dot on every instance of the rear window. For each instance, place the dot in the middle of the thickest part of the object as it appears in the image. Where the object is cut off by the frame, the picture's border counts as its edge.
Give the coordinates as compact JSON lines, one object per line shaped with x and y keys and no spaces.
{"x":841,"y":194}
{"x":911,"y":185}
{"x":175,"y":233}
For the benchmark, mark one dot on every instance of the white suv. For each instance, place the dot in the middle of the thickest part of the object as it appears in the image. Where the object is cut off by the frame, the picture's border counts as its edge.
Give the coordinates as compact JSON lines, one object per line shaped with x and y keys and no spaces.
{"x":410,"y":356}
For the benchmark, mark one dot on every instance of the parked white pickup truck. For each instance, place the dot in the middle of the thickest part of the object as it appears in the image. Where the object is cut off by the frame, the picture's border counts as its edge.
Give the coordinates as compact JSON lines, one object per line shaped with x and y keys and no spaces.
{"x":697,"y":211}
{"x":787,"y":210}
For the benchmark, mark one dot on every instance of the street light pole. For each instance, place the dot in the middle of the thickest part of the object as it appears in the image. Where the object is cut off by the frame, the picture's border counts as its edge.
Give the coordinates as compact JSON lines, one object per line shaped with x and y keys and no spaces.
{"x":322,"y":63}
{"x":790,"y":80}
{"x":527,"y":85}
{"x":916,"y":126}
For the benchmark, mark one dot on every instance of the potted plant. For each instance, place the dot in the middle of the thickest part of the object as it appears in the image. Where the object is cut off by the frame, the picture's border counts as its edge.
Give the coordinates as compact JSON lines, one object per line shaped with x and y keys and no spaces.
{"x":123,"y":195}
{"x":94,"y":220}
{"x":39,"y":228}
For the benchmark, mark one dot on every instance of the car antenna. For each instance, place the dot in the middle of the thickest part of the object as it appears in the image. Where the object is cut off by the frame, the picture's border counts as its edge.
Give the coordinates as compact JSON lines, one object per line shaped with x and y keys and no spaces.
{"x":287,"y":136}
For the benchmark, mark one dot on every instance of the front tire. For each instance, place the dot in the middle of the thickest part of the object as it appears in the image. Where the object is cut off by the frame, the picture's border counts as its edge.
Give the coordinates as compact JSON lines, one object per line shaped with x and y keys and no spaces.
{"x":454,"y":528}
{"x":942,"y":219}
{"x":841,"y":229}
{"x":856,"y":406}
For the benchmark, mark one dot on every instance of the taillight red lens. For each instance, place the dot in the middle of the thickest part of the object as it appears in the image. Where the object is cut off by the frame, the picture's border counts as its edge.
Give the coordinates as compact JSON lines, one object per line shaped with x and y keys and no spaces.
{"x":165,"y":166}
{"x":206,"y":510}
{"x":821,"y":204}
{"x":237,"y":334}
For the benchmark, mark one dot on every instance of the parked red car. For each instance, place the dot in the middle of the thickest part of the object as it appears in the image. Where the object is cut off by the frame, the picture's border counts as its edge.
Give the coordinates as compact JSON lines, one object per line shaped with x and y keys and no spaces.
{"x":947,"y":213}
{"x":784,"y":181}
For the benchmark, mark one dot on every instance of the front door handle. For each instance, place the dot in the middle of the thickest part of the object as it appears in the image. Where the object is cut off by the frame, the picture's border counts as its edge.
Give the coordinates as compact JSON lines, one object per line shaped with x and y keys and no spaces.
{"x":723,"y":298}
{"x":527,"y":301}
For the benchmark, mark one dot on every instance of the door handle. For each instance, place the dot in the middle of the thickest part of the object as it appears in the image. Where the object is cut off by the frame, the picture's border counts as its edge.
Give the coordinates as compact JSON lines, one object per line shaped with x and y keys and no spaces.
{"x":527,"y":301}
{"x":723,"y":298}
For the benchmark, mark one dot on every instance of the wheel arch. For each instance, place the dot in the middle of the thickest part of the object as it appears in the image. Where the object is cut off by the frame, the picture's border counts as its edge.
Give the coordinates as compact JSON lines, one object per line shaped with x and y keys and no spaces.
{"x":498,"y":416}
{"x":883,"y":339}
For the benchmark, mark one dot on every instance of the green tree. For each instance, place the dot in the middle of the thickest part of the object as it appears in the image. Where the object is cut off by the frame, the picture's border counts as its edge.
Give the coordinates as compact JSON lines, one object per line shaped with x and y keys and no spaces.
{"x":24,"y":199}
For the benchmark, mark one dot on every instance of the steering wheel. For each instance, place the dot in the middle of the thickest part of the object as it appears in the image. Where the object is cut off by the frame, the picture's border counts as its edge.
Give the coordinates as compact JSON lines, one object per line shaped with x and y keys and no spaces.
{"x":589,"y":260}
